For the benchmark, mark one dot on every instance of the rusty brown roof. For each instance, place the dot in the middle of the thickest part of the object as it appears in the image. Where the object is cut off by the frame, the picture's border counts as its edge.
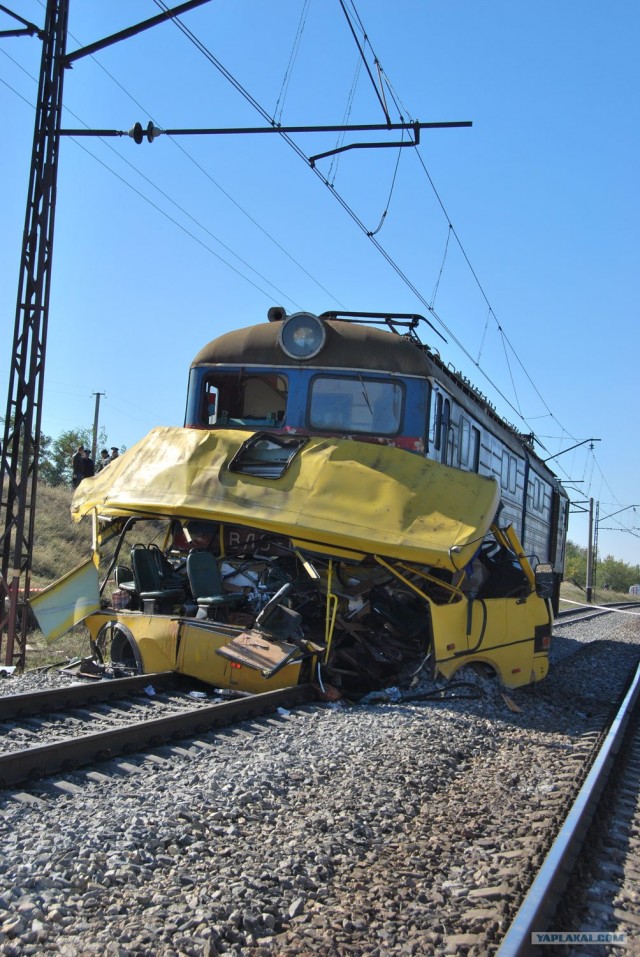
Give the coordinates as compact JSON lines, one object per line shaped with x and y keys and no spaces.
{"x":374,"y":349}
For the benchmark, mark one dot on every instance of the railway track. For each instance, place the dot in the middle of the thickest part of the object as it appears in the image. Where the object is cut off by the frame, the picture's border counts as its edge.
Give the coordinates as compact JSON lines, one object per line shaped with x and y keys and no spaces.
{"x":411,"y":827}
{"x":587,"y":612}
{"x":67,"y":716}
{"x":604,"y":887}
{"x":534,"y":918}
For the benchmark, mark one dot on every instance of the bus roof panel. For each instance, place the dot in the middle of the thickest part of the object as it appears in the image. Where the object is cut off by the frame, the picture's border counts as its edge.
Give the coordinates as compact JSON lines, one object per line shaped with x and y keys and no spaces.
{"x":355,"y":496}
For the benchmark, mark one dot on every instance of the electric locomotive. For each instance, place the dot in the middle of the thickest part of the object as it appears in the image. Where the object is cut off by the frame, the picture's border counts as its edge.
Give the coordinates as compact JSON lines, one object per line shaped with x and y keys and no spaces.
{"x":368,"y":377}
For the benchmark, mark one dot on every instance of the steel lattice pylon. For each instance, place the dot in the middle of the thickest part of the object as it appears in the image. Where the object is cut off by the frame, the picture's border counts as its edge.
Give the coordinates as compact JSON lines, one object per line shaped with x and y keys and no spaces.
{"x":19,"y":458}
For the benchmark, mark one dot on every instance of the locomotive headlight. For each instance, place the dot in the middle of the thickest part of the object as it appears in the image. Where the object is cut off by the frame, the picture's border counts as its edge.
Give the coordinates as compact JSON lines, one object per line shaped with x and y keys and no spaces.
{"x":302,"y":336}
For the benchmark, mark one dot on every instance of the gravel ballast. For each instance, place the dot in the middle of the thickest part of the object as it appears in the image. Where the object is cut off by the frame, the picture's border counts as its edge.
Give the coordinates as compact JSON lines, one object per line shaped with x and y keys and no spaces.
{"x":386,"y":828}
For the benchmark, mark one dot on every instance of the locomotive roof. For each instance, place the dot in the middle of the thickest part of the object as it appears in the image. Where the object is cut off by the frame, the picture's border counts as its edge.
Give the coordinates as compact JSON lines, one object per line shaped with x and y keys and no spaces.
{"x":376,"y":349}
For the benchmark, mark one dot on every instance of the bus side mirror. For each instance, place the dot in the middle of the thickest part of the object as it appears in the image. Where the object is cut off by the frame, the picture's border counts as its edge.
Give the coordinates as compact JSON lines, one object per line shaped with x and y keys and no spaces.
{"x":544,"y":580}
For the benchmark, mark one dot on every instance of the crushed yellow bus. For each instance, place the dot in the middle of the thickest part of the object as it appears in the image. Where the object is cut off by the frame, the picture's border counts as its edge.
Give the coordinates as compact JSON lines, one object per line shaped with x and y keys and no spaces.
{"x":256,"y":560}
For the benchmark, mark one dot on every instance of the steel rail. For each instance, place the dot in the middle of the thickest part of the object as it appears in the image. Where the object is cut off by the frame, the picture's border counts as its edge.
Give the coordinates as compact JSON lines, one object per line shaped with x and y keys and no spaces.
{"x":13,"y":706}
{"x":586,"y":612}
{"x":72,"y":753}
{"x":542,"y":898}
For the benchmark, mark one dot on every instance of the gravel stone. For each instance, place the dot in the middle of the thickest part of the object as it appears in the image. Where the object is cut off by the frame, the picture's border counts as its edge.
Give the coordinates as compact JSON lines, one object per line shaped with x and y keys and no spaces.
{"x":388,"y":828}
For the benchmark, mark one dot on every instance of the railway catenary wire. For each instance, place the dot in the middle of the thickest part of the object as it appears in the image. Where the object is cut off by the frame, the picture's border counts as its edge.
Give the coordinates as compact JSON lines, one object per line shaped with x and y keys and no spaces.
{"x":202,"y":47}
{"x":178,"y":206}
{"x":263,"y":112}
{"x":517,"y":410}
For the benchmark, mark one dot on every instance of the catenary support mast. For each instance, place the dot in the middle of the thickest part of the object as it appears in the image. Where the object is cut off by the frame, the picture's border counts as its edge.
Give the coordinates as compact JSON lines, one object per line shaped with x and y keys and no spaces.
{"x":19,"y":452}
{"x":19,"y":459}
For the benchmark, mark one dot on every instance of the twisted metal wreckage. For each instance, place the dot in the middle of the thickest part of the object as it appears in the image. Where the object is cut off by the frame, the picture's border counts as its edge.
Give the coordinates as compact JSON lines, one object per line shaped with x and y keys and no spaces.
{"x":260,"y":562}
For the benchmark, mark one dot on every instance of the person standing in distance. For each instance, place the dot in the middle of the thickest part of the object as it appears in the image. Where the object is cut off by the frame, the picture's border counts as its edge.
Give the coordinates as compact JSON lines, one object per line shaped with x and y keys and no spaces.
{"x":102,"y":461}
{"x":77,"y":467}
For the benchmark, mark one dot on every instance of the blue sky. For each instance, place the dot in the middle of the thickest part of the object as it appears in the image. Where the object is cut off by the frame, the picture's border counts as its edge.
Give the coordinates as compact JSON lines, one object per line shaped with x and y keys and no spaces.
{"x":161,"y":247}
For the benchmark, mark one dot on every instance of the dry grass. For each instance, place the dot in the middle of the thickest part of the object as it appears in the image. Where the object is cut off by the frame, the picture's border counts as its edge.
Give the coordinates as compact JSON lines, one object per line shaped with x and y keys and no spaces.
{"x":59,"y":545}
{"x":572,"y":592}
{"x":40,"y":654}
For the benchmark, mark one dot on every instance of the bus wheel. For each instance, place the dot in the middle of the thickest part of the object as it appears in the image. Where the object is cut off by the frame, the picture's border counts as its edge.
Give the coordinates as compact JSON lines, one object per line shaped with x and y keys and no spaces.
{"x":114,"y":641}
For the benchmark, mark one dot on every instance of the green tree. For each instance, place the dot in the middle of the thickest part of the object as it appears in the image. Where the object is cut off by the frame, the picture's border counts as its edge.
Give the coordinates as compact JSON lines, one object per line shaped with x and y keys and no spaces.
{"x":616,"y":575}
{"x":575,"y":566}
{"x":609,"y":572}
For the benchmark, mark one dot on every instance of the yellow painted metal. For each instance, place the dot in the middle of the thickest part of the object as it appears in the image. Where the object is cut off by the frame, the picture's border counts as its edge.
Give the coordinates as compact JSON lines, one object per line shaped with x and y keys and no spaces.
{"x":497,"y":631}
{"x":168,"y":643}
{"x":68,"y":600}
{"x":502,"y":635}
{"x":454,"y":591}
{"x":327,"y":614}
{"x":156,"y":636}
{"x":338,"y":498}
{"x":197,"y":656}
{"x":332,"y":551}
{"x":355,"y":496}
{"x":330,"y":612}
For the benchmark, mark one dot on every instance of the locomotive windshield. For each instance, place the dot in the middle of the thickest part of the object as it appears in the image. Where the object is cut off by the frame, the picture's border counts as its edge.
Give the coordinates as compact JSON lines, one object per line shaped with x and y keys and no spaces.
{"x":355,"y":405}
{"x":245,"y":399}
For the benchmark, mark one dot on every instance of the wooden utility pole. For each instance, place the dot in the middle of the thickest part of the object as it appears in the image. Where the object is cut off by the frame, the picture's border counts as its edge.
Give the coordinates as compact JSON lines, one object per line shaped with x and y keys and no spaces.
{"x":94,"y":441}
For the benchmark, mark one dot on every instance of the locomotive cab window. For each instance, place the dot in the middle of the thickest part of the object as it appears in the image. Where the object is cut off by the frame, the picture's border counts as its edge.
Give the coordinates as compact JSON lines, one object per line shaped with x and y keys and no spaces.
{"x":370,"y":406}
{"x":243,"y":399}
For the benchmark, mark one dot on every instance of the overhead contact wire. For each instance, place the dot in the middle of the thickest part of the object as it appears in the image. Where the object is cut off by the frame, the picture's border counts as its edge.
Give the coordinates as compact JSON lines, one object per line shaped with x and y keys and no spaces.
{"x":393,"y":183}
{"x":206,"y":173}
{"x":506,"y":357}
{"x":364,"y":60}
{"x":175,"y":222}
{"x":173,"y":202}
{"x":444,"y":259}
{"x":207,"y":53}
{"x":292,"y":59}
{"x":478,"y":283}
{"x":335,"y":159}
{"x":250,"y":99}
{"x":403,"y":113}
